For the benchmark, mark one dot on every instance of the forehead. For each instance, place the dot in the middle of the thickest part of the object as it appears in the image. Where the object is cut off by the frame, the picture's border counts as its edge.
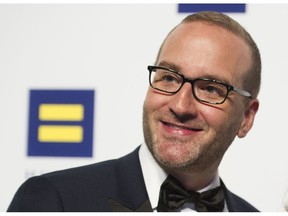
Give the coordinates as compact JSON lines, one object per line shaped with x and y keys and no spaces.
{"x":205,"y":49}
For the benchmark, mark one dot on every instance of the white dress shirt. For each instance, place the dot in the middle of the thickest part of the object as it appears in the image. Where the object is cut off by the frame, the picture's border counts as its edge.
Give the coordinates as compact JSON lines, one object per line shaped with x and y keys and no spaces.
{"x":154,"y":176}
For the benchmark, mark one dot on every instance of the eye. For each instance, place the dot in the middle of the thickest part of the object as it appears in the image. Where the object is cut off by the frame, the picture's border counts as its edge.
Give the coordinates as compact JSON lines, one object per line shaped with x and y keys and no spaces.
{"x":169,"y":78}
{"x":166,"y":77}
{"x":211,"y":89}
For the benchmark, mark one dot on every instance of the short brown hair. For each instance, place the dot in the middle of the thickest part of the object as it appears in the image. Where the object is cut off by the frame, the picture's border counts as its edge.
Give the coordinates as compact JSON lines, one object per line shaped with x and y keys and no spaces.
{"x":253,"y":79}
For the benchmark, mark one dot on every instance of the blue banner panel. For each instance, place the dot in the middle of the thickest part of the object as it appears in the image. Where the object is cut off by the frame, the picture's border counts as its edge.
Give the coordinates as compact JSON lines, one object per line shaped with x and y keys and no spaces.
{"x":61,"y":123}
{"x":224,"y":8}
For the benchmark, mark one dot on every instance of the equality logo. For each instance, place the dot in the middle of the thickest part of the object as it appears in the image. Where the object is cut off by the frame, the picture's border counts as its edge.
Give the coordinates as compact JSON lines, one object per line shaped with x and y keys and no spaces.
{"x":61,"y":123}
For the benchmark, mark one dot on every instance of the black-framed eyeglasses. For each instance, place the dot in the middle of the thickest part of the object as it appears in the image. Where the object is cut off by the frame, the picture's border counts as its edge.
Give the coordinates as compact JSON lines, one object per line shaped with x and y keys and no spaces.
{"x":204,"y":90}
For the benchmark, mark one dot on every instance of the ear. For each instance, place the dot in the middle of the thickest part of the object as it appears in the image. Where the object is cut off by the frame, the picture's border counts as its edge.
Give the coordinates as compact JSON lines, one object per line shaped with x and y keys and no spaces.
{"x":249,"y":115}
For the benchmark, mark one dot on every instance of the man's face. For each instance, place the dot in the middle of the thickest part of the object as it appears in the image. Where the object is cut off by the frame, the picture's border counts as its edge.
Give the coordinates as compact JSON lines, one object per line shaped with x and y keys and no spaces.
{"x":182,"y":132}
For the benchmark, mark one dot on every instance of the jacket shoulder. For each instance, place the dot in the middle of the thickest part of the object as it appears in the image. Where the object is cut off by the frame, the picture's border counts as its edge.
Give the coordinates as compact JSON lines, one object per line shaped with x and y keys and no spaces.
{"x":84,"y":188}
{"x":236,"y":203}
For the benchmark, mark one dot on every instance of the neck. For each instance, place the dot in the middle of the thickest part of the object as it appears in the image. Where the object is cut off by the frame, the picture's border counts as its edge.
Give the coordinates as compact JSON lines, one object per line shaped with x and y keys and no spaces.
{"x":194,"y":180}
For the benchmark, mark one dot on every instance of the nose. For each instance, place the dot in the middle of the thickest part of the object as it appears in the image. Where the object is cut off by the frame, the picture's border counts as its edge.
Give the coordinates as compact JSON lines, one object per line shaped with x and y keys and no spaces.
{"x":183,"y":103}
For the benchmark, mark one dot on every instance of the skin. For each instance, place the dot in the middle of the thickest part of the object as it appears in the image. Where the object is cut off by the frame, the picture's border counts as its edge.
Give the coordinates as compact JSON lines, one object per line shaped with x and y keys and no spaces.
{"x":186,"y":137}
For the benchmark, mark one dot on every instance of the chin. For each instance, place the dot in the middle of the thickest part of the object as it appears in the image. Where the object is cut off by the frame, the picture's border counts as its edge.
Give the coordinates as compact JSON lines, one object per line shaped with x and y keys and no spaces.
{"x":175,"y":158}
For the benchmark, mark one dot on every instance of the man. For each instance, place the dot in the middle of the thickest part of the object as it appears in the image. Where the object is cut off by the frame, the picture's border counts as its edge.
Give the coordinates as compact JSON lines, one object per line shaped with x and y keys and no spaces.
{"x":203,"y":93}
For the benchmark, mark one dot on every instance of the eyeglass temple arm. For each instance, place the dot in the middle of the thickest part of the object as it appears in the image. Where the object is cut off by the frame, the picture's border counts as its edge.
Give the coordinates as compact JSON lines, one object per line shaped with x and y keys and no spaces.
{"x":242,"y":92}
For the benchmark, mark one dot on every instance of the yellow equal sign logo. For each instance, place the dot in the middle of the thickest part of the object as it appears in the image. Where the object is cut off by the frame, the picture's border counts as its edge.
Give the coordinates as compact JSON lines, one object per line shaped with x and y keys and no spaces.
{"x":61,"y":112}
{"x":56,"y":133}
{"x":61,"y":133}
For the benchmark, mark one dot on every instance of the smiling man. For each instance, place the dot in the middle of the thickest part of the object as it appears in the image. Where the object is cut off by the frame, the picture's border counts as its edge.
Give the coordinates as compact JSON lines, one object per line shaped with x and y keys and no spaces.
{"x":203,"y":93}
{"x":196,"y":106}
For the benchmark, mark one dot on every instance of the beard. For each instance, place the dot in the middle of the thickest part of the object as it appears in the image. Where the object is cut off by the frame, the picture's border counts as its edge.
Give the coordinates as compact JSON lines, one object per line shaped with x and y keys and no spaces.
{"x":188,"y":154}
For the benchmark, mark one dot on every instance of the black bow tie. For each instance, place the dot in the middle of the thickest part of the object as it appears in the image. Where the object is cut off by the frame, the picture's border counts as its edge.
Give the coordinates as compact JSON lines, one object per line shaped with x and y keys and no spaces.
{"x":173,"y":196}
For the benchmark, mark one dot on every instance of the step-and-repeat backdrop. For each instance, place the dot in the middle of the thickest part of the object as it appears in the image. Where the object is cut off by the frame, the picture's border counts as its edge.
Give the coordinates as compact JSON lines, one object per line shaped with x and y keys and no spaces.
{"x":73,"y":80}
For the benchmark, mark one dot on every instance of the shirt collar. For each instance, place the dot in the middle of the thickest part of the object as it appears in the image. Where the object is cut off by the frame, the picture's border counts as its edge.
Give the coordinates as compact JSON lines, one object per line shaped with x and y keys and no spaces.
{"x":154,"y":176}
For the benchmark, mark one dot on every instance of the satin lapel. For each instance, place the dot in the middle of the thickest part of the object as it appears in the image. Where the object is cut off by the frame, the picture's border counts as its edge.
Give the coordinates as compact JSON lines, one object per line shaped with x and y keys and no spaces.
{"x":131,"y":191}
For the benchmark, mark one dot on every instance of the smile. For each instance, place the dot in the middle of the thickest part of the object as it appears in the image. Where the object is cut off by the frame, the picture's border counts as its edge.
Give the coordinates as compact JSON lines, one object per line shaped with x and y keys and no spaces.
{"x":179,"y":129}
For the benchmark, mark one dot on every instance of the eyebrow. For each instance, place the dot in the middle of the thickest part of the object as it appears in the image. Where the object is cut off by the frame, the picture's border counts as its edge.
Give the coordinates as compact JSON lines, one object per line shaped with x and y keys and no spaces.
{"x":177,"y":68}
{"x":169,"y":65}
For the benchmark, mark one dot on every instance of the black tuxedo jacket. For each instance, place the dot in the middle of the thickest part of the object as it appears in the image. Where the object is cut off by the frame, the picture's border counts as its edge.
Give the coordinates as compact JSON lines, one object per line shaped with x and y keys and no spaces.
{"x":115,"y":185}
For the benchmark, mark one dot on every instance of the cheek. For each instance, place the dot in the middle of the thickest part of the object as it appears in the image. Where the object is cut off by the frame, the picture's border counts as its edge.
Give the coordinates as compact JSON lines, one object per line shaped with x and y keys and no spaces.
{"x":154,"y":100}
{"x":224,"y":119}
{"x":216,"y":116}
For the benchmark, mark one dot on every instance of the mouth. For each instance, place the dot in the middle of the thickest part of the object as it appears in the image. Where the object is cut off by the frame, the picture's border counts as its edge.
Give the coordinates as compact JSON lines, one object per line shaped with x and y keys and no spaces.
{"x":179,"y":129}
